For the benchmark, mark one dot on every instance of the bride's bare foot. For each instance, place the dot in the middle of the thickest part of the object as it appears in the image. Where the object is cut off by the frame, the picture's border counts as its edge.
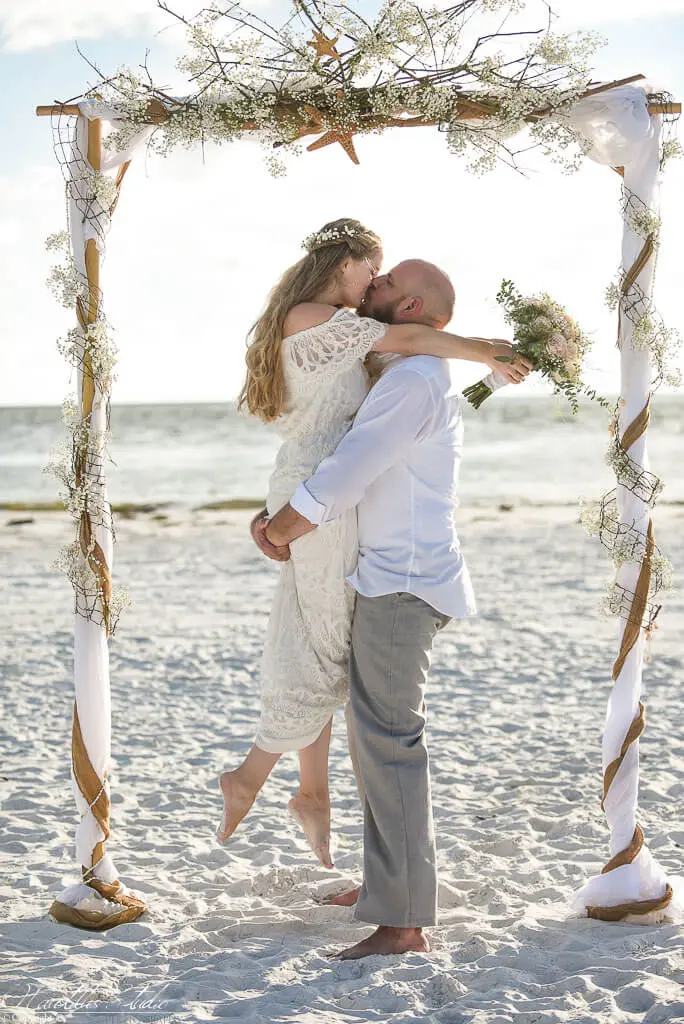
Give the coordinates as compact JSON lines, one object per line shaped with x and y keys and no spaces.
{"x":386,"y":941}
{"x":312,"y":812}
{"x":341,"y":899}
{"x":237,"y":800}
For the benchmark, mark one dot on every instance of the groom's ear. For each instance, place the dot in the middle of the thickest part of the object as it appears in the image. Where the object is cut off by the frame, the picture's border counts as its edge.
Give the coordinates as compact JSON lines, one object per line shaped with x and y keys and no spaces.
{"x":409,"y":308}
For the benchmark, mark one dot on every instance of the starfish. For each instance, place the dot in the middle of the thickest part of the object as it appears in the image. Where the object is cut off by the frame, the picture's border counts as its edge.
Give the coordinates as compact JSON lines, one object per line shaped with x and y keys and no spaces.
{"x":315,"y":115}
{"x":323,"y":46}
{"x":345,"y":139}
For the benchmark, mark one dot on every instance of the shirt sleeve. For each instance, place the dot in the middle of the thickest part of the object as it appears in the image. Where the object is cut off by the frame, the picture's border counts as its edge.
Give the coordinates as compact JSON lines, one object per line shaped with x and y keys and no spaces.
{"x":398,"y":411}
{"x":334,"y":345}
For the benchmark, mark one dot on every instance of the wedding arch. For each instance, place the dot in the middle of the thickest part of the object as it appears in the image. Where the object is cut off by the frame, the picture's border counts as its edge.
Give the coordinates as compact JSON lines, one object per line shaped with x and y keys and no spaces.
{"x":330,"y":73}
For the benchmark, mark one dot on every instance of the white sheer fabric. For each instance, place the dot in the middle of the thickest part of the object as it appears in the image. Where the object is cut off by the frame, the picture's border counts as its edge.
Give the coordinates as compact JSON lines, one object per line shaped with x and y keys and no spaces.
{"x":91,"y":655}
{"x":305,"y":658}
{"x":623,"y":134}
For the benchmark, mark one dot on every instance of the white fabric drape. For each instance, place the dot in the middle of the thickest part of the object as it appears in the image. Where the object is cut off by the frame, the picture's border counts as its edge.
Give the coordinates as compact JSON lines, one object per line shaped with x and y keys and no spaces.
{"x":623,"y":134}
{"x":91,"y":653}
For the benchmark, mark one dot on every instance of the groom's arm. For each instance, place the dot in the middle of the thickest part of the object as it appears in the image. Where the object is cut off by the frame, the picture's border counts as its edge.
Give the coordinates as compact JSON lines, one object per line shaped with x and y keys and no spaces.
{"x":396,"y":413}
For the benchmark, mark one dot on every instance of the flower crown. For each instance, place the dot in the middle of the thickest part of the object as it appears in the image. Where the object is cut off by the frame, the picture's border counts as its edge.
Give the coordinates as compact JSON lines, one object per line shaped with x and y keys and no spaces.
{"x":318,"y":239}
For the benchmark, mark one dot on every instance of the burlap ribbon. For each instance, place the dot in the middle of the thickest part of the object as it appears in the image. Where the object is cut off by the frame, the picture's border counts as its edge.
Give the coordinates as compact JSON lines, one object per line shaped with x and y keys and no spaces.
{"x":93,"y":790}
{"x":630,"y":635}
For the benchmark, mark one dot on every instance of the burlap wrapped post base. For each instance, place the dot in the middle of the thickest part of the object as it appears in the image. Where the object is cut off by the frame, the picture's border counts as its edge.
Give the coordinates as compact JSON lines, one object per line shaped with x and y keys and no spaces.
{"x":97,"y":906}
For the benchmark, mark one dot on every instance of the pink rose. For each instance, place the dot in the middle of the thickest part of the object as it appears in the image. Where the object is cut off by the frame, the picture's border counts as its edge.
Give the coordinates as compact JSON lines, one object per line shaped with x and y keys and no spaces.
{"x":572,"y":354}
{"x":558,"y":347}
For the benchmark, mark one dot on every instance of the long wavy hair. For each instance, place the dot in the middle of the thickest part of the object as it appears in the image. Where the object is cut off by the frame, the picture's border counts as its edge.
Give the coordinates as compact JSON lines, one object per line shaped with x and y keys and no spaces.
{"x":263,"y":391}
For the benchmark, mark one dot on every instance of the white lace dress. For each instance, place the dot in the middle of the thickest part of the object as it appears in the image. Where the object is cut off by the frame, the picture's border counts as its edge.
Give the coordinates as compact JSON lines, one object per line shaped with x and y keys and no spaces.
{"x":305,"y":659}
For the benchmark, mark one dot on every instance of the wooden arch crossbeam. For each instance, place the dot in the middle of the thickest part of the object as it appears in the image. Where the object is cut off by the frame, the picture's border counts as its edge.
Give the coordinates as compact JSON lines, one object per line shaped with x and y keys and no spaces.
{"x":309,"y":120}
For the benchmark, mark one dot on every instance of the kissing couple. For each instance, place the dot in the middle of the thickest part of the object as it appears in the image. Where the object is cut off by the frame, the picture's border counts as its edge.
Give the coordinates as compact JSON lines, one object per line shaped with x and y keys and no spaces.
{"x":350,"y":366}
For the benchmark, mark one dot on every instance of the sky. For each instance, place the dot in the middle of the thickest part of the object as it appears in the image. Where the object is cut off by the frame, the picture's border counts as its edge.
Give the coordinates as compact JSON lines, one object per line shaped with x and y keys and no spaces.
{"x":198,"y":239}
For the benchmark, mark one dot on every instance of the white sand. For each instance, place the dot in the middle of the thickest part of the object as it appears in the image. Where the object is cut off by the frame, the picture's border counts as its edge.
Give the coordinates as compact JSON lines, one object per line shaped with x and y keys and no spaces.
{"x":516,"y":707}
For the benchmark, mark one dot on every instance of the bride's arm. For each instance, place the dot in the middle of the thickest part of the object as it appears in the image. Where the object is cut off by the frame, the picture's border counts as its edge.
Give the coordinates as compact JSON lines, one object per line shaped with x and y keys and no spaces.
{"x":419,"y":339}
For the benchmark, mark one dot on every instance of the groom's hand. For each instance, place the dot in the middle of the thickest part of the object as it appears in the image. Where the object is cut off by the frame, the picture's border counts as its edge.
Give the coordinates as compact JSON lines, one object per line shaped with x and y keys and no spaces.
{"x":257,"y":528}
{"x":287,"y":525}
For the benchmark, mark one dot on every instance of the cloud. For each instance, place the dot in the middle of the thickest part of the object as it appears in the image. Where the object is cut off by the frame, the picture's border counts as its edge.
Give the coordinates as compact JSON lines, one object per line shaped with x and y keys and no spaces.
{"x":35,"y":24}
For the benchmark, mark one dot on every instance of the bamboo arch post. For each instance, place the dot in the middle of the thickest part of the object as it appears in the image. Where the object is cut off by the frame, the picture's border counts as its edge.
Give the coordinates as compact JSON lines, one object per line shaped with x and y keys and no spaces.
{"x":110,"y":903}
{"x":625,"y":718}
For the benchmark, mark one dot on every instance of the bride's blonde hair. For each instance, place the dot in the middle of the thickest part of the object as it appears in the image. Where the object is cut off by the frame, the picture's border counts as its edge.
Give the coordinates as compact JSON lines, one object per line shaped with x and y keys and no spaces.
{"x":264,"y":388}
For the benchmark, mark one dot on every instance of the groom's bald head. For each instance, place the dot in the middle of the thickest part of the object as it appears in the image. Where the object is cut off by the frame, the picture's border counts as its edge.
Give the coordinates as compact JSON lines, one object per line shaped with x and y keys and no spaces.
{"x":414,"y":291}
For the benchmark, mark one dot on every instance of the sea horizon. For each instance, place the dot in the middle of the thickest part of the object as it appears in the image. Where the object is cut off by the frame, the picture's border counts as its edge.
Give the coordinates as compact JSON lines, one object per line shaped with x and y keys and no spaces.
{"x":527,"y":450}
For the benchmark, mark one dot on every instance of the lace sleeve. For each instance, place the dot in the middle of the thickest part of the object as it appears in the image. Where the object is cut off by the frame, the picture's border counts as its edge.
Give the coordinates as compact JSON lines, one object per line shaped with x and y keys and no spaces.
{"x":335,"y":344}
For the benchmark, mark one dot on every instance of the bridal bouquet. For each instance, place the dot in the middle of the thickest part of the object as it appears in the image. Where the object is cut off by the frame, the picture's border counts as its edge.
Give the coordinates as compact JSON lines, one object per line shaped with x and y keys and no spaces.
{"x":549,"y":338}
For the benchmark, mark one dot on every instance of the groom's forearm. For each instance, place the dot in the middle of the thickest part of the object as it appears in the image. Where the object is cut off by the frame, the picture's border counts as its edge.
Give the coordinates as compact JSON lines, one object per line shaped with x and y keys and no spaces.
{"x":287,"y":525}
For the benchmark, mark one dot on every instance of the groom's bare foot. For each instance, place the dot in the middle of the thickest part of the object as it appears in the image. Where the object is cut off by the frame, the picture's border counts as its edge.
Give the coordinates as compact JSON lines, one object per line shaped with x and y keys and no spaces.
{"x":237,"y":800}
{"x":341,"y":899}
{"x":386,"y":941}
{"x":312,"y":812}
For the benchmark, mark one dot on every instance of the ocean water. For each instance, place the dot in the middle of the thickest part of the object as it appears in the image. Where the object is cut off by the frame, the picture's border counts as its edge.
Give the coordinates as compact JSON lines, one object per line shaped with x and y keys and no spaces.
{"x":517,"y":450}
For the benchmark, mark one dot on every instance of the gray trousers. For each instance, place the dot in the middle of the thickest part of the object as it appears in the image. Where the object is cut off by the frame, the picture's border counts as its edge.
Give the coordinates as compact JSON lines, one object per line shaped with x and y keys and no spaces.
{"x":390,"y":656}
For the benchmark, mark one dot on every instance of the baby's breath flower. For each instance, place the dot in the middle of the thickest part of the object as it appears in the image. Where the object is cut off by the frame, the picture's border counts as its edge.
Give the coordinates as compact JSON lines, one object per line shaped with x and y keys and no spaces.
{"x":319,"y":238}
{"x":643,"y":221}
{"x":104,"y":189}
{"x":58,"y":242}
{"x":671,"y":150}
{"x":612,"y":296}
{"x":65,"y":282}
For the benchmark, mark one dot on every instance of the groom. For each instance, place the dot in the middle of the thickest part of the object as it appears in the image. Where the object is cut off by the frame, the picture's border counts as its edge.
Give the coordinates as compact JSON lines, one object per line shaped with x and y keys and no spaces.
{"x":398,"y":464}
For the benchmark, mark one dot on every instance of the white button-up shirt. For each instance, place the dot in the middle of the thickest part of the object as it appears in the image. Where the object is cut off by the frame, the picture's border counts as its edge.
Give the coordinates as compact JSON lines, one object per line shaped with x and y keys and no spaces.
{"x":399,"y":465}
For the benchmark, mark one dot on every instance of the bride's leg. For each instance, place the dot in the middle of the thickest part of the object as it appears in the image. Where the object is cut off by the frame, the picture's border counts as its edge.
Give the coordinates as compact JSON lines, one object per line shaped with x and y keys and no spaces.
{"x":311,"y":805}
{"x":241,"y":786}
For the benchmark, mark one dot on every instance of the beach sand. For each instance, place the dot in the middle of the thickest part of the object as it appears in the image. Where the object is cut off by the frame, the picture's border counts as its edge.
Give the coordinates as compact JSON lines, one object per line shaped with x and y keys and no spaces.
{"x":516,"y":701}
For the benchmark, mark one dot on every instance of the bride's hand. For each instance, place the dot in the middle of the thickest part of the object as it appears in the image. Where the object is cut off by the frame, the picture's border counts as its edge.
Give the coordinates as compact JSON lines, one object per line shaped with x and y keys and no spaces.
{"x":515,"y":369}
{"x":258,"y":530}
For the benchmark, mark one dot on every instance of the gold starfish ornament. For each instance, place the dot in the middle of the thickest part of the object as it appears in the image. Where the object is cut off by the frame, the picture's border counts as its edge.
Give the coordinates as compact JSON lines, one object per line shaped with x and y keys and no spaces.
{"x":345,"y":139}
{"x":323,"y":46}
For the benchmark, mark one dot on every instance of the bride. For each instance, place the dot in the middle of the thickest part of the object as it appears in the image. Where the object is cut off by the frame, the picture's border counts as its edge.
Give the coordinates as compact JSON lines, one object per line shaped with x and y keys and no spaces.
{"x":307,"y":373}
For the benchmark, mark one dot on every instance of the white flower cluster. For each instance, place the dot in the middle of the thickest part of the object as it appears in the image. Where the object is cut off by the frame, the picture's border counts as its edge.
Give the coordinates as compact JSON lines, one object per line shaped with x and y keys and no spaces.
{"x":628,"y":472}
{"x":58,"y":241}
{"x":612,"y":296}
{"x":662,"y":570}
{"x":119,"y":601}
{"x":104,"y":189}
{"x":595,"y":515}
{"x":64,"y":280}
{"x":612,"y":600}
{"x":574,"y":50}
{"x":643,"y":221}
{"x":503,"y":5}
{"x":84,"y":495}
{"x":89,"y":597}
{"x":324,"y":237}
{"x":96,"y":344}
{"x":648,"y":332}
{"x":671,"y":150}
